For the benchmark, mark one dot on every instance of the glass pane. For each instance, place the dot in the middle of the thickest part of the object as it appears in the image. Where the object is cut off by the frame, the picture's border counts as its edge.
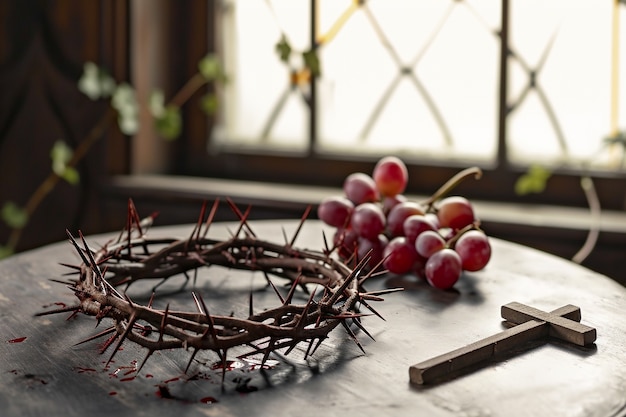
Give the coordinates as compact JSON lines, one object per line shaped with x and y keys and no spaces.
{"x":411,"y":77}
{"x":421,"y":78}
{"x":261,"y":108}
{"x":566,"y":46}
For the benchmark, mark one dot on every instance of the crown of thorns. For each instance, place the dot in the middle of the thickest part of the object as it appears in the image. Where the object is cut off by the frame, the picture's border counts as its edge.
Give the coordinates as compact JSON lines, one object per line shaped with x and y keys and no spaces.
{"x":133,"y":256}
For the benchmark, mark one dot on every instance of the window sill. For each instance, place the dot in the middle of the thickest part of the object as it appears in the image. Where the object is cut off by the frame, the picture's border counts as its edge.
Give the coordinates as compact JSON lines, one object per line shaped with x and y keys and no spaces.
{"x":296,"y":197}
{"x":555,"y":229}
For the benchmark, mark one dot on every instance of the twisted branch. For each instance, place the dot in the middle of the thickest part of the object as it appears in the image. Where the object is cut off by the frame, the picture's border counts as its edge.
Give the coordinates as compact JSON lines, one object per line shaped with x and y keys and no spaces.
{"x":133,"y":257}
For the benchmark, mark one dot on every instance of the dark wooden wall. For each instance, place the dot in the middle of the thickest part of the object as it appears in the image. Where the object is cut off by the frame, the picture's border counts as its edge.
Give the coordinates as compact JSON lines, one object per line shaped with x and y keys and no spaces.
{"x":43,"y":46}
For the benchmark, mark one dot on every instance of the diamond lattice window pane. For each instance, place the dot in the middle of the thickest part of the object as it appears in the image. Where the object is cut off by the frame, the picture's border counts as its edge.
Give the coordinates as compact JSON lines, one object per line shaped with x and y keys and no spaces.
{"x":411,"y":77}
{"x":261,"y":108}
{"x":565,"y":114}
{"x":421,"y":78}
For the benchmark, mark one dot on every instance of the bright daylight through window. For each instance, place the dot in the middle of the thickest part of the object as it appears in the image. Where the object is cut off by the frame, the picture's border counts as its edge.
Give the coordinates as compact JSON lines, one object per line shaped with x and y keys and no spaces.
{"x":422,"y":78}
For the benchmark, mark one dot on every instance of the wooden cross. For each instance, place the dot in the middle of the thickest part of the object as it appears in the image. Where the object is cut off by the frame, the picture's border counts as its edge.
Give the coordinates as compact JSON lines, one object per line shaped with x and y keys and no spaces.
{"x":531,"y":324}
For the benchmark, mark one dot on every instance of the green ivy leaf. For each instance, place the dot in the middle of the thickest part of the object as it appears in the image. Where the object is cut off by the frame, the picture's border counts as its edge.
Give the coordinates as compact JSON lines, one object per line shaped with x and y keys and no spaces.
{"x":95,"y":82}
{"x":71,"y":175}
{"x":211,"y":68}
{"x":210,"y":103}
{"x":125,"y":102}
{"x":157,"y":103}
{"x":283,"y":49}
{"x":534,"y":181}
{"x":617,"y":138}
{"x":13,"y":215}
{"x":61,"y":154}
{"x":5,"y":252}
{"x":312,"y":62}
{"x":170,"y":124}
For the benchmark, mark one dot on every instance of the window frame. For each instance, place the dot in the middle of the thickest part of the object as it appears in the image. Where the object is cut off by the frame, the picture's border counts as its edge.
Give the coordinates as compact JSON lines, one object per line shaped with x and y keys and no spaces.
{"x":191,"y":156}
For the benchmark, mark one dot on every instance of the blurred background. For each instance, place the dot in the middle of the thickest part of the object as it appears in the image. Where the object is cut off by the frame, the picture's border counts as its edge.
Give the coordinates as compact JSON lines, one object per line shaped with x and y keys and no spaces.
{"x":273,"y":103}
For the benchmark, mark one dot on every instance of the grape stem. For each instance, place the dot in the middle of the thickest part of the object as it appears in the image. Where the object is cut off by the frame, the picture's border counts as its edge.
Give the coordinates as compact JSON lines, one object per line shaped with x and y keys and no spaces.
{"x":472,"y":226}
{"x":453,"y":182}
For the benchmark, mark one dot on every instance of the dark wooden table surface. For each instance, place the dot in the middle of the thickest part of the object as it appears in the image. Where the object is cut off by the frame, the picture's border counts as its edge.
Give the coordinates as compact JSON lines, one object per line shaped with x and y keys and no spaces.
{"x":43,"y":373}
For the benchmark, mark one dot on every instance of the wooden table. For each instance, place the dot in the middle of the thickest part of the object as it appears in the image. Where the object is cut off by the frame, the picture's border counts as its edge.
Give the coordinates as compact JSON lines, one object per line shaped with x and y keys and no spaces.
{"x":44,"y":374}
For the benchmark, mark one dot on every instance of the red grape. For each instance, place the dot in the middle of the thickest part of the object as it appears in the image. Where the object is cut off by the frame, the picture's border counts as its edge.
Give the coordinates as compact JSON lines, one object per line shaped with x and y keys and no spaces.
{"x":438,"y":245}
{"x":390,"y":201}
{"x":414,"y":225}
{"x":368,"y":220}
{"x":400,"y":256}
{"x":432,"y":217}
{"x":443,"y":269}
{"x":398,"y":214}
{"x":335,"y":211}
{"x":474,"y":249}
{"x":391,"y":176}
{"x":429,"y":242}
{"x":455,"y":212}
{"x":360,"y":188}
{"x":346,"y":242}
{"x":376,"y":246}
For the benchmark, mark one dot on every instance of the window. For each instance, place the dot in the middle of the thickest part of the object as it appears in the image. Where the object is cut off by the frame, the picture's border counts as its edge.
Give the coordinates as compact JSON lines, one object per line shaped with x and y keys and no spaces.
{"x":443,"y":84}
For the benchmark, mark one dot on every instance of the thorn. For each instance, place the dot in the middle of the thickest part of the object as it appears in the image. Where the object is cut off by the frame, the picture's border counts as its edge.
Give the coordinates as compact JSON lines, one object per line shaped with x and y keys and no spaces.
{"x":337,"y":292}
{"x":292,"y":346}
{"x":285,"y":238}
{"x":308,"y":349}
{"x":305,"y":215}
{"x":305,"y":311}
{"x":58,"y":310}
{"x":353,"y":336}
{"x":236,"y":210}
{"x":370,"y":308}
{"x":96,"y":336}
{"x":197,"y":301}
{"x":72,"y":315}
{"x":280,"y":297}
{"x":222,"y":355}
{"x":92,"y":262}
{"x":347,"y":315}
{"x":210,"y":325}
{"x":195,"y":233}
{"x":374,"y":294}
{"x":77,"y":247}
{"x":193,"y":355}
{"x":292,"y":290}
{"x":129,"y":327}
{"x":319,"y":342}
{"x":326,"y":247}
{"x":150,"y":352}
{"x":163,"y":322}
{"x":132,"y":210}
{"x":268,"y":351}
{"x":209,"y":219}
{"x":372,"y":272}
{"x":243,"y":222}
{"x":108,"y":342}
{"x":151,"y":300}
{"x":114,"y":291}
{"x":360,"y":326}
{"x":77,"y":267}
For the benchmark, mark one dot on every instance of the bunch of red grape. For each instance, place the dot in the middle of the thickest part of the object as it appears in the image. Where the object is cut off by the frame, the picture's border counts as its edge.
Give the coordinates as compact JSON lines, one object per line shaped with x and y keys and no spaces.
{"x":436,"y":240}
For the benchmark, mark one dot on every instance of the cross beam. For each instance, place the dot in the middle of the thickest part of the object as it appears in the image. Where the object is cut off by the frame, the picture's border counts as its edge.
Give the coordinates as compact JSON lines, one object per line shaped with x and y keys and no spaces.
{"x":531,"y":324}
